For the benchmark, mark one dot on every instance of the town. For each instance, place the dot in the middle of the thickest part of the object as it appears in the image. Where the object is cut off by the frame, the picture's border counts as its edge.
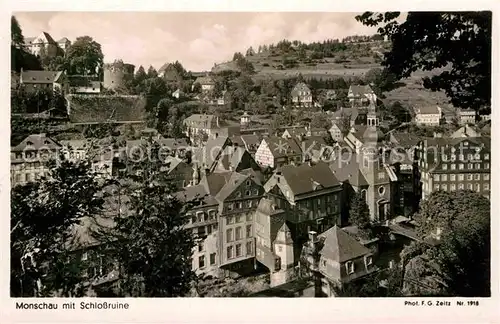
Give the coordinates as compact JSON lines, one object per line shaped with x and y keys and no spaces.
{"x":293,"y":170}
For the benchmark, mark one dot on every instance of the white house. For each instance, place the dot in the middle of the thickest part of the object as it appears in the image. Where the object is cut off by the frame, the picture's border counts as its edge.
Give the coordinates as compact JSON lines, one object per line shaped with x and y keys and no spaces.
{"x":428,"y":115}
{"x":361,"y":95}
{"x":466,"y":116}
{"x":301,"y":95}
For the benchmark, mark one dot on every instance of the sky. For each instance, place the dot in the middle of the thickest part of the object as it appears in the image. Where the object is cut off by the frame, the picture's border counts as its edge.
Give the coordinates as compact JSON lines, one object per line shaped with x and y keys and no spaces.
{"x":197,"y":40}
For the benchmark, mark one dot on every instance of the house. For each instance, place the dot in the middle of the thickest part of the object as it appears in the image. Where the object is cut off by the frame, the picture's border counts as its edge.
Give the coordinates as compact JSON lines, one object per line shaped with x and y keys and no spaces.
{"x":360,"y":95}
{"x":235,"y":158}
{"x":43,"y":44}
{"x":338,"y":258}
{"x":64,"y":43}
{"x":28,"y":159}
{"x":250,"y":142}
{"x":82,"y":84}
{"x":207,"y":157}
{"x":466,"y":131}
{"x":310,"y":197}
{"x":245,"y":119}
{"x":206,"y":83}
{"x":316,"y":131}
{"x":169,"y":73}
{"x":177,"y":147}
{"x":223,"y":221}
{"x":74,"y":150}
{"x":428,"y":115}
{"x":466,"y":116}
{"x":275,"y":152}
{"x":336,"y":133}
{"x":32,"y":81}
{"x":178,"y":171}
{"x":294,"y":132}
{"x":348,"y":117}
{"x":207,"y":126}
{"x":301,"y":95}
{"x":450,"y":164}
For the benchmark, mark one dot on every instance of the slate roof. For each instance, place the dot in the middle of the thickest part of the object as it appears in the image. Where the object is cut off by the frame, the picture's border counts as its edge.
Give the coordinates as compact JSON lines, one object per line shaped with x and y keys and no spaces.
{"x":304,"y":178}
{"x":427,"y":110}
{"x":208,"y":155}
{"x":214,"y":182}
{"x":340,"y":246}
{"x":38,"y":141}
{"x":43,"y":77}
{"x":405,"y":139}
{"x":171,"y":163}
{"x":234,"y":181}
{"x":196,"y":192}
{"x":347,"y":169}
{"x":301,"y":86}
{"x":282,"y":147}
{"x":231,"y":156}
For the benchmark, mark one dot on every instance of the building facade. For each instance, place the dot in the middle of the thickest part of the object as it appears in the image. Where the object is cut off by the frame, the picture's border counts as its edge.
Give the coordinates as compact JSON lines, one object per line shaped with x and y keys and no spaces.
{"x":428,"y":115}
{"x":301,"y":95}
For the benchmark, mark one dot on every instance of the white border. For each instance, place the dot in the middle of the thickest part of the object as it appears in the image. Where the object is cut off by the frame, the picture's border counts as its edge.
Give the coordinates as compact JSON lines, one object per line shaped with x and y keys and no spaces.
{"x":245,"y":309}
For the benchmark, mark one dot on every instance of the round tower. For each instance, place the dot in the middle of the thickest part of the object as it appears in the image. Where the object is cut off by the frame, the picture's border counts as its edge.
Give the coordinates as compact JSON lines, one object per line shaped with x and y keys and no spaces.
{"x":116,"y":74}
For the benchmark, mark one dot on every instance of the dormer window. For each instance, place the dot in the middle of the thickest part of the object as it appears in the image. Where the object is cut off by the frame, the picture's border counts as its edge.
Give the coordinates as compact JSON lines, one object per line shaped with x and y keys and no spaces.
{"x":29,"y":143}
{"x":349,"y":267}
{"x":46,"y":142}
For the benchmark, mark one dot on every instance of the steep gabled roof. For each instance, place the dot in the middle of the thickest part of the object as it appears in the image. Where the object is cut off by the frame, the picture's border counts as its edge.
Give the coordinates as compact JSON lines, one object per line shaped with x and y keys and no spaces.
{"x":63,"y":40}
{"x":304,"y":178}
{"x":36,"y":142}
{"x":347,"y":169}
{"x":340,"y":246}
{"x":301,"y":86}
{"x":234,"y":181}
{"x":281,"y":147}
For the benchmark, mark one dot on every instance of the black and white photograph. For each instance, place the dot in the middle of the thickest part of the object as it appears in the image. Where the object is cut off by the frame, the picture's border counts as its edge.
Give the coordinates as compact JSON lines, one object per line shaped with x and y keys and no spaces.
{"x":250,"y":154}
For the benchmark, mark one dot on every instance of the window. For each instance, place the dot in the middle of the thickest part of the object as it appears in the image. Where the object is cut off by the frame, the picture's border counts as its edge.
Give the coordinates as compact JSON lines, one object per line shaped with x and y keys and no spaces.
{"x":461,"y":186}
{"x":436,"y":187}
{"x":256,"y":192}
{"x":230,"y":206}
{"x":201,"y":262}
{"x":229,"y":235}
{"x":85,"y":256}
{"x":470,"y":157}
{"x":238,"y":250}
{"x":469,"y":186}
{"x":247,"y":193}
{"x":445,"y":166}
{"x":209,"y":230}
{"x":461,"y":157}
{"x":470,"y":166}
{"x":436,"y":177}
{"x":477,"y":176}
{"x":230,"y":252}
{"x":249,"y":217}
{"x":486,"y":176}
{"x":445,"y":157}
{"x":249,"y":231}
{"x":486,"y":186}
{"x":238,"y":194}
{"x":453,"y":166}
{"x":444,"y":187}
{"x":214,"y":227}
{"x":238,"y":219}
{"x":212,"y":258}
{"x":249,"y":183}
{"x":452,"y":177}
{"x":460,"y":177}
{"x":349,"y":267}
{"x":453,"y":157}
{"x":280,"y":248}
{"x":381,"y":190}
{"x":249,"y":248}
{"x":239,"y":205}
{"x":477,"y":156}
{"x":249,"y":203}
{"x":469,"y":176}
{"x":237,"y":233}
{"x":444,"y":177}
{"x":229,"y":220}
{"x":478,"y":166}
{"x":478,"y":187}
{"x":486,"y":156}
{"x":201,"y":231}
{"x":486,"y":165}
{"x":211,"y":214}
{"x":461,"y":166}
{"x":381,"y":175}
{"x":453,"y":187}
{"x":200,"y":247}
{"x":199,"y":215}
{"x":369,"y":261}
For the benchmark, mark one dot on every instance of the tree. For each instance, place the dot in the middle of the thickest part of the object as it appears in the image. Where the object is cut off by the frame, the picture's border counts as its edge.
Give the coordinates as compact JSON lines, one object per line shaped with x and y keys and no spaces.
{"x":163,"y":113}
{"x":359,"y":214}
{"x":16,"y":33}
{"x":320,"y":121}
{"x":459,"y":42}
{"x":84,"y":56}
{"x":44,"y":215}
{"x":140,"y":75}
{"x":152,"y":73}
{"x":152,"y":245}
{"x":399,"y":113}
{"x":250,"y":52}
{"x":460,"y":264}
